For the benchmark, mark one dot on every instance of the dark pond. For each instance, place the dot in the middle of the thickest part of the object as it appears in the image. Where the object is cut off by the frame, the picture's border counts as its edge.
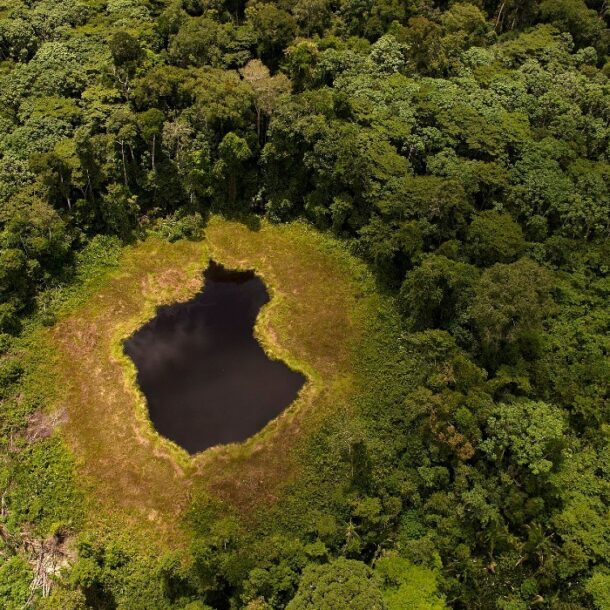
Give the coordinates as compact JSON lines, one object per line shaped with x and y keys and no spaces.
{"x":206,"y":378}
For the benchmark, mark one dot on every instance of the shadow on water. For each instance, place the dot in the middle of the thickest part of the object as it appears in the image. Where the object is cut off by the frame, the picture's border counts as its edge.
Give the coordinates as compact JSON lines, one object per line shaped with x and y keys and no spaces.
{"x":206,"y":378}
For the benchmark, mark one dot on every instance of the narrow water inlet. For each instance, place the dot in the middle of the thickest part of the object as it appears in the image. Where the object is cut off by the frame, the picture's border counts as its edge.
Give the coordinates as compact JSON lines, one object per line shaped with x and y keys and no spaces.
{"x":206,"y":379}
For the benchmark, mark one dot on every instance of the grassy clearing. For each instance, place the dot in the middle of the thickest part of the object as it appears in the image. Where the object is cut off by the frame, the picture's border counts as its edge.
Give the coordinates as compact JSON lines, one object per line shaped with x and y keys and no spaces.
{"x":310,"y":324}
{"x":134,"y":480}
{"x":131,"y":474}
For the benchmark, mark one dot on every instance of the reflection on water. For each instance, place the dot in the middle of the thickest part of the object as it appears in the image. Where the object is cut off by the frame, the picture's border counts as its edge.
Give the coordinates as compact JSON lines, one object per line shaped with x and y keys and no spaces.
{"x":206,"y":378}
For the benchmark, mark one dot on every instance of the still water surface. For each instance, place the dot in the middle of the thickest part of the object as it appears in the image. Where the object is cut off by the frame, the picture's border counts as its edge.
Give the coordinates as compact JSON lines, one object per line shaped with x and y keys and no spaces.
{"x":206,"y":379}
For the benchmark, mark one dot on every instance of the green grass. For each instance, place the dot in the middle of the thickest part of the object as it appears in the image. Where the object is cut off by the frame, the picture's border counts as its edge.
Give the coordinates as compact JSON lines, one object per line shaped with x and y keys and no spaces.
{"x":131,"y":475}
{"x":135,"y":484}
{"x":311,"y":324}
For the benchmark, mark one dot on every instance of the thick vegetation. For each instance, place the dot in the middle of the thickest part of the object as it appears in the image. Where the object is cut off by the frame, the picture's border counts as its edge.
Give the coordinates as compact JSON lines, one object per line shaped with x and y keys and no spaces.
{"x":461,"y":150}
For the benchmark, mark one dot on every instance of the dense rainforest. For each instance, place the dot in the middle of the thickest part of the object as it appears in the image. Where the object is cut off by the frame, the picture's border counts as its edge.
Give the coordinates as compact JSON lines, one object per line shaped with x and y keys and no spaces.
{"x":462,"y":151}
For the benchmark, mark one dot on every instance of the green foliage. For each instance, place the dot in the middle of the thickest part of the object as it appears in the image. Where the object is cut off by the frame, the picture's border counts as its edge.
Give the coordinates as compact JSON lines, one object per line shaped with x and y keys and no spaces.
{"x":180,"y":226}
{"x":273,"y":26}
{"x":509,"y":304}
{"x":495,"y":238}
{"x":527,"y":433}
{"x":337,"y":584}
{"x":201,"y":41}
{"x":119,"y":210}
{"x":41,"y":488}
{"x":64,"y":599}
{"x":124,"y":48}
{"x":598,"y":586}
{"x":461,"y":148}
{"x":15,"y":578}
{"x":233,"y":152}
{"x":407,"y":585}
{"x":434,"y":294}
{"x":576,"y":17}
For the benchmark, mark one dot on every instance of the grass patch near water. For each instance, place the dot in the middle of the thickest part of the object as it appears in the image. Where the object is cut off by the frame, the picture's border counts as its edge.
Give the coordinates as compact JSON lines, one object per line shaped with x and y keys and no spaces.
{"x":136,"y":483}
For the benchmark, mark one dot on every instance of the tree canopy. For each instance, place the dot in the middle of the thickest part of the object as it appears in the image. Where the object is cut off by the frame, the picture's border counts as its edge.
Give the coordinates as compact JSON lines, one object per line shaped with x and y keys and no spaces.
{"x":462,"y":150}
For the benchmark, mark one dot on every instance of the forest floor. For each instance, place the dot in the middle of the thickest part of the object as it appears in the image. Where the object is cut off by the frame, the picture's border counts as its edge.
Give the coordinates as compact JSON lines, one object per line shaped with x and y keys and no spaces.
{"x":132,"y":477}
